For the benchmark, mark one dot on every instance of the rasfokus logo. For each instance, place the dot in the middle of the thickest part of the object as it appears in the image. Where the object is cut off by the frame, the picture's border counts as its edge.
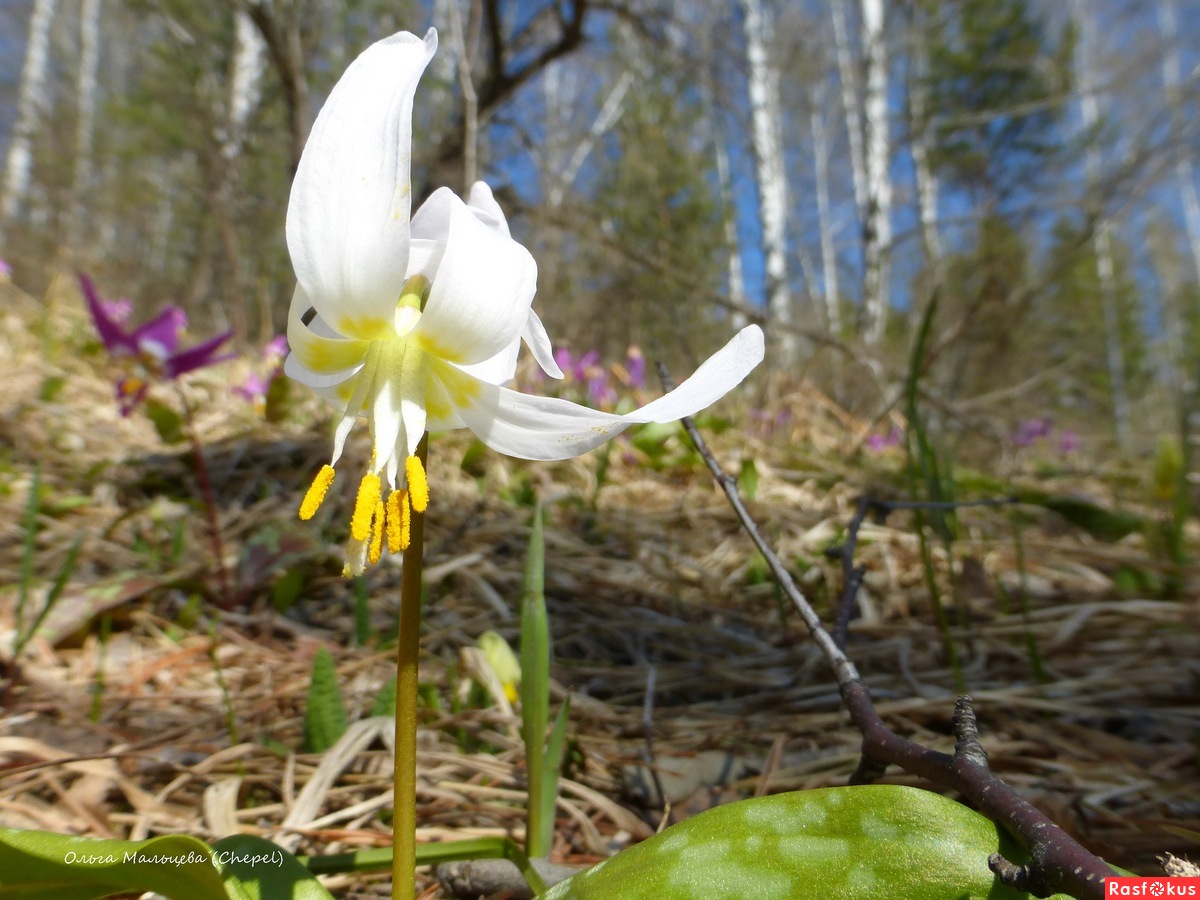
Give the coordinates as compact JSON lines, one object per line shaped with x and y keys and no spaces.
{"x":1152,"y":887}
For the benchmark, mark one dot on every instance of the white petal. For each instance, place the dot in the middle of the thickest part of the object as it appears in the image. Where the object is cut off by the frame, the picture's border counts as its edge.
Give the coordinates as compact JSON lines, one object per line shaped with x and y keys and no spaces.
{"x":431,"y":221}
{"x":316,"y":348}
{"x":539,"y":344}
{"x":327,"y":384}
{"x":348,"y":216}
{"x":481,"y":293}
{"x":534,"y":427}
{"x":715,"y":378}
{"x":486,"y":209}
{"x":500,"y":369}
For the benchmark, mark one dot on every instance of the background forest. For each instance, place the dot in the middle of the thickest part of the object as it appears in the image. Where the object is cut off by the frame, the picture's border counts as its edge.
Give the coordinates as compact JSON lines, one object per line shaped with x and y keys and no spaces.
{"x":826,"y":167}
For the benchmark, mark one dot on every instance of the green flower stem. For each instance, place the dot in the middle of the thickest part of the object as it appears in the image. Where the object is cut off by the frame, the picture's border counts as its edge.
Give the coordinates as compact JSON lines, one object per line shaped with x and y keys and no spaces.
{"x":535,"y":693}
{"x":408,"y":647}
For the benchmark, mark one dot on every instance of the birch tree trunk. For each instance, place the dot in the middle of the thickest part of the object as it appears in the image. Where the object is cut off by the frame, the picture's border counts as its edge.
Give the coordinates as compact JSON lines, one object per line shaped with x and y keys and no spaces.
{"x":609,"y":115}
{"x":32,"y":100}
{"x":465,"y":47}
{"x":245,"y":88}
{"x":735,"y":274}
{"x":1089,"y":109}
{"x":829,"y":271}
{"x":877,"y":225}
{"x":919,"y":127}
{"x":85,"y":129}
{"x":771,"y":176}
{"x":851,"y":105}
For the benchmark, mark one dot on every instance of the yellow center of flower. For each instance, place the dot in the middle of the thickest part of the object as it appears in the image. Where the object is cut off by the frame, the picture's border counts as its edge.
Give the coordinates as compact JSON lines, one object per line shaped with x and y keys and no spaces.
{"x":384,"y":519}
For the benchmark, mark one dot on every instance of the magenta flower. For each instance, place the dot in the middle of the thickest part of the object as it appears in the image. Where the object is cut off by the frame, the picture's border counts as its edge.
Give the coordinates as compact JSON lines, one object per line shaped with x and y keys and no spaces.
{"x":152,"y":349}
{"x":253,"y":389}
{"x":119,"y":310}
{"x":635,"y":367}
{"x":1068,"y":442}
{"x":1031,"y":431}
{"x":5,"y":272}
{"x":275,"y":351}
{"x":877,"y":443}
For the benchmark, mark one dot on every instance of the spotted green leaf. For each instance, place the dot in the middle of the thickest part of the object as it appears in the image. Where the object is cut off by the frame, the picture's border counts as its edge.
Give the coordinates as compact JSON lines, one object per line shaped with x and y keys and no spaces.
{"x":848,"y":843}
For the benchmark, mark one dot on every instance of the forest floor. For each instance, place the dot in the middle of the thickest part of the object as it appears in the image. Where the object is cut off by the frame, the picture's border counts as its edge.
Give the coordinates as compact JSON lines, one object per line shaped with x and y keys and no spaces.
{"x":151,"y":700}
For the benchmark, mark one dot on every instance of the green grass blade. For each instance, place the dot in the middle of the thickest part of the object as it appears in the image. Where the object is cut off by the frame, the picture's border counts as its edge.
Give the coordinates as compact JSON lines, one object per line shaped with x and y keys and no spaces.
{"x":556,"y":747}
{"x":52,"y":596}
{"x":28,"y":551}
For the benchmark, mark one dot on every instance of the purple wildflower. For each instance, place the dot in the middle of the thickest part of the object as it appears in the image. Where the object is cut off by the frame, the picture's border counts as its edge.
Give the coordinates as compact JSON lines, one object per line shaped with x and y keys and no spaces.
{"x":1068,"y":442}
{"x":1031,"y":431}
{"x":562,"y":356}
{"x":598,"y":388}
{"x":635,"y":367}
{"x":253,"y":389}
{"x":877,"y":443}
{"x":152,"y":347}
{"x":5,"y":272}
{"x":118,"y":310}
{"x":275,"y":351}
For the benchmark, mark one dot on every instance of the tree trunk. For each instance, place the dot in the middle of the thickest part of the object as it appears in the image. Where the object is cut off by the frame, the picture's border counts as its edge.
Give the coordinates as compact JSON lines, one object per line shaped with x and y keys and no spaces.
{"x":771,"y":176}
{"x":1089,"y":108}
{"x":829,"y":270}
{"x":877,"y":226}
{"x":85,"y":129}
{"x":851,"y":105}
{"x":919,"y":128}
{"x":245,"y":87}
{"x":32,"y":100}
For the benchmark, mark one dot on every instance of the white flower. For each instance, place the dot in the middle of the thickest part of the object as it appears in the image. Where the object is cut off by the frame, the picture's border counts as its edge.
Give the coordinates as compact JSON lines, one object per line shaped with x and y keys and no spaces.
{"x":415,"y":324}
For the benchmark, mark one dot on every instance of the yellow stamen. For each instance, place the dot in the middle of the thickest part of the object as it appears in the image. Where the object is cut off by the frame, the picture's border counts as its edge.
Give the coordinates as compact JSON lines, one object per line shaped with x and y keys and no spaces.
{"x":376,"y":550}
{"x":364,"y":507}
{"x":316,"y":493}
{"x":356,"y":558}
{"x":418,"y":484}
{"x":397,"y":521}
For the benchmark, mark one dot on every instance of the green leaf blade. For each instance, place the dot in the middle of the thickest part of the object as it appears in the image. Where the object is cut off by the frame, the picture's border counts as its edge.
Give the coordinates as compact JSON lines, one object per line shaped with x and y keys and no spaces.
{"x":883,"y":842}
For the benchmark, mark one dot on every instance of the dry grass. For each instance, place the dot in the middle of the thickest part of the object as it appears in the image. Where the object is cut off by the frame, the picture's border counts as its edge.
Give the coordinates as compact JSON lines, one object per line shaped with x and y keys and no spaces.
{"x":130,"y":738}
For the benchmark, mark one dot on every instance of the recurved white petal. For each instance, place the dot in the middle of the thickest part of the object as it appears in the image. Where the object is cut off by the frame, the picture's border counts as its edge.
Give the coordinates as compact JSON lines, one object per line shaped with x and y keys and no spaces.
{"x":483,"y":203}
{"x":348,"y":216}
{"x":481,"y":293}
{"x":539,"y":344}
{"x":318,"y":349}
{"x":533,"y":427}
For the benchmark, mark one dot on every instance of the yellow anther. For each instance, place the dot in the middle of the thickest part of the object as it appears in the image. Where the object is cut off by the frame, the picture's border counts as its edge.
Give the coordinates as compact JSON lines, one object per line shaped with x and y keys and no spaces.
{"x":364,"y":507}
{"x":397,"y":521}
{"x":418,"y":484}
{"x":316,"y":493}
{"x":376,"y":549}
